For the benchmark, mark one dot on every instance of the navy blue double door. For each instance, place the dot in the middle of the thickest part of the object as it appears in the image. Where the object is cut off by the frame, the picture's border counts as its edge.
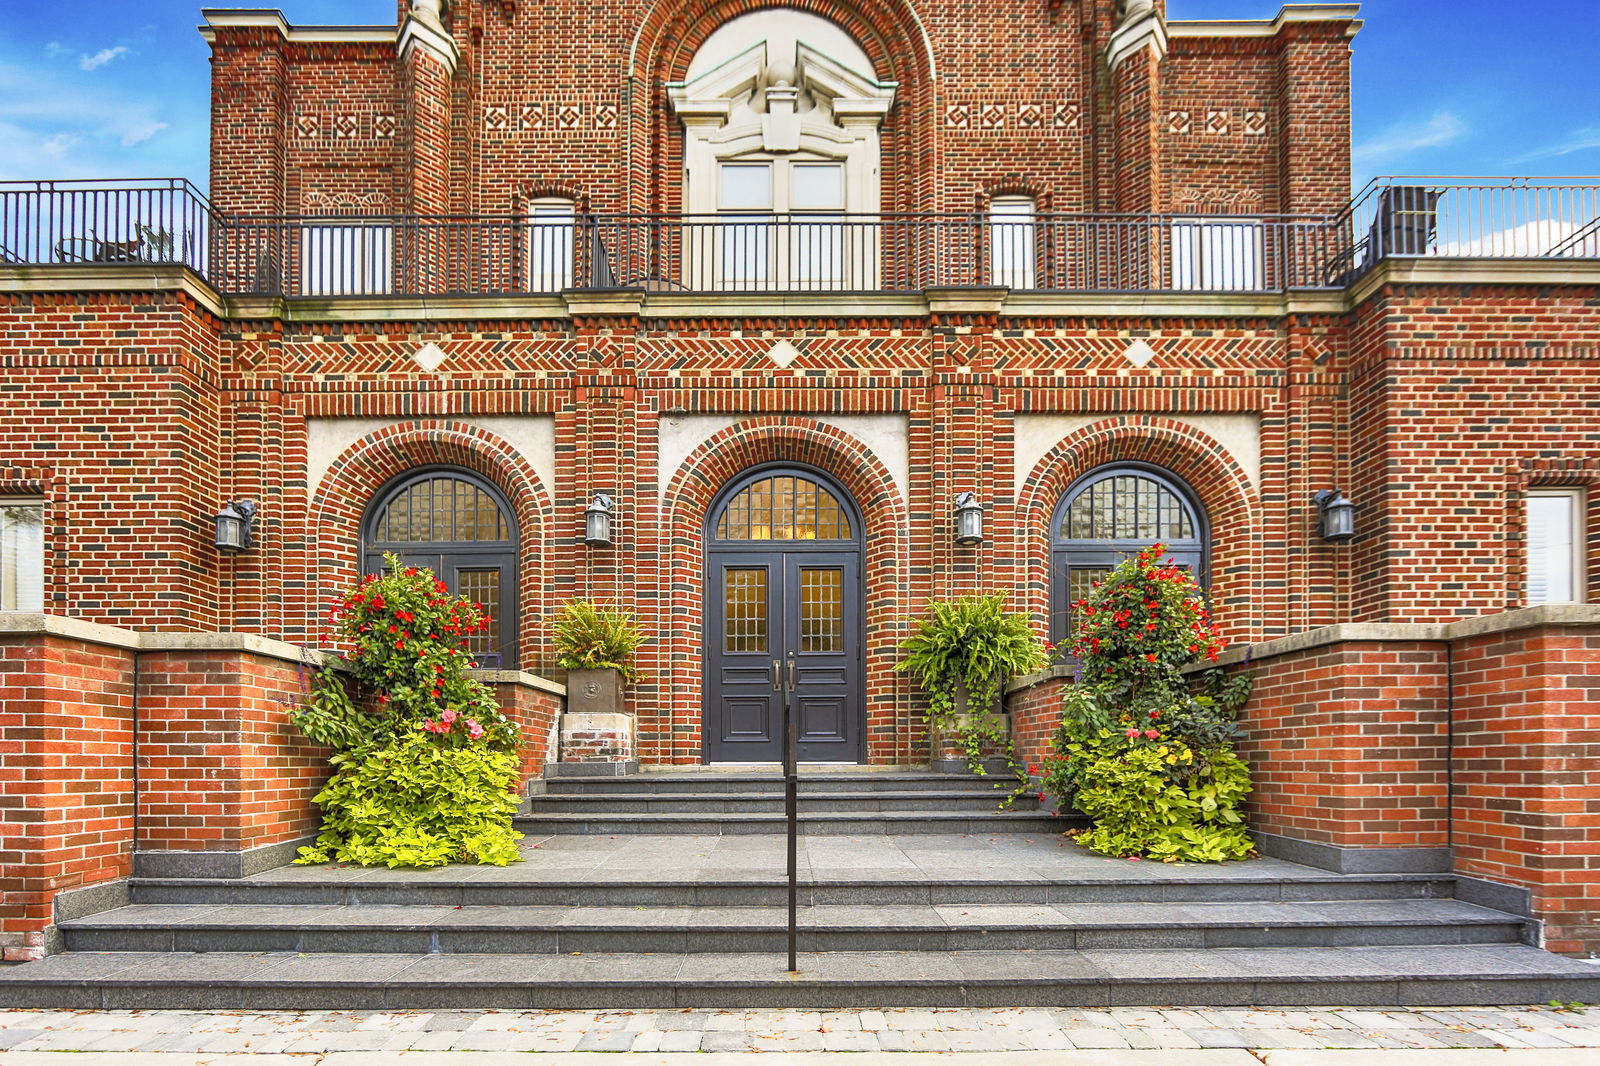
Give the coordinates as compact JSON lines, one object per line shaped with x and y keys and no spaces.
{"x":783,"y":627}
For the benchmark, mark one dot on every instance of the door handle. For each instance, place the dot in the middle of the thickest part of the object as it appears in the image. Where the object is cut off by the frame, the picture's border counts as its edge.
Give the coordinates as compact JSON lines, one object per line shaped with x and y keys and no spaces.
{"x":791,"y":673}
{"x":777,"y":677}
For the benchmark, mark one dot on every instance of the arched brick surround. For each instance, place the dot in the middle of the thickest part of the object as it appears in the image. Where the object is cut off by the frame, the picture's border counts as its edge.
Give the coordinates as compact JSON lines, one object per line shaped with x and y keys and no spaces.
{"x":889,"y":31}
{"x":1218,"y":481}
{"x":339,"y":502}
{"x":672,"y":734}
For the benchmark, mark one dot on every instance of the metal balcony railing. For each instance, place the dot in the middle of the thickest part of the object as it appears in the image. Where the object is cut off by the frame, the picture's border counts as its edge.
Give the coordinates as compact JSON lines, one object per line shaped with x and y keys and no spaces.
{"x":169,"y":221}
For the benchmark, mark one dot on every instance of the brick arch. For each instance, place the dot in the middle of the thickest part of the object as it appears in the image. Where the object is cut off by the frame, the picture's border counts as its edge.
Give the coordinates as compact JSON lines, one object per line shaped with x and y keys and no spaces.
{"x":885,"y":566}
{"x":889,"y":31}
{"x":1220,"y":485}
{"x":353,"y":480}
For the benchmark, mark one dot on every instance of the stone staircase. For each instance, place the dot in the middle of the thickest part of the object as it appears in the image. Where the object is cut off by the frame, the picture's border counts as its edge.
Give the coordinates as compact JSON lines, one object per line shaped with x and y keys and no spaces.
{"x":683,"y":905}
{"x":830,"y":802}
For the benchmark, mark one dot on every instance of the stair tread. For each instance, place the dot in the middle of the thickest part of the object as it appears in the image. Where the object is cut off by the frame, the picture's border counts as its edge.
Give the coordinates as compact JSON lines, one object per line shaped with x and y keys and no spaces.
{"x":778,"y":817}
{"x":1305,"y":914}
{"x":928,"y":795}
{"x":899,"y":968}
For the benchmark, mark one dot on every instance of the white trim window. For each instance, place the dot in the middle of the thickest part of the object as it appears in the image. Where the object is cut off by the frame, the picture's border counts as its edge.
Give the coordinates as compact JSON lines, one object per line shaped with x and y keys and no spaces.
{"x":1012,"y":242}
{"x":346,"y":259}
{"x":552,"y":229}
{"x":1216,"y":256}
{"x":1555,"y":546}
{"x":21,"y":555}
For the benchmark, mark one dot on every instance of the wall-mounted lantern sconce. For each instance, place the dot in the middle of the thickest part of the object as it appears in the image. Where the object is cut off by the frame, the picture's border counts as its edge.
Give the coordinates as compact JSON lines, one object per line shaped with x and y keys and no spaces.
{"x":597,"y":521}
{"x":969,"y":520}
{"x":236,"y":526}
{"x":1336,"y":515}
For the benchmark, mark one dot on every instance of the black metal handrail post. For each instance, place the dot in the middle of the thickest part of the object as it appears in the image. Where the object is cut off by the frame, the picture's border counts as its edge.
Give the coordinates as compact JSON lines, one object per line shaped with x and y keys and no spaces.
{"x":791,"y":805}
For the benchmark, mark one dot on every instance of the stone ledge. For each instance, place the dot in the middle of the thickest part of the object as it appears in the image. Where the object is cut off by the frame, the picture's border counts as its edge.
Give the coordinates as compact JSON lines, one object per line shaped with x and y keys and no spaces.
{"x":218,"y":865}
{"x":518,"y":677}
{"x":160,"y":640}
{"x":1550,"y":614}
{"x":52,"y":625}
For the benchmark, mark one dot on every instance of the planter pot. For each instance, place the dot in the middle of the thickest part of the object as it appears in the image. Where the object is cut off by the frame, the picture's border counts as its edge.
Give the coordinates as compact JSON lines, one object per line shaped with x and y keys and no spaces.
{"x":949,"y":755}
{"x":595,"y":692}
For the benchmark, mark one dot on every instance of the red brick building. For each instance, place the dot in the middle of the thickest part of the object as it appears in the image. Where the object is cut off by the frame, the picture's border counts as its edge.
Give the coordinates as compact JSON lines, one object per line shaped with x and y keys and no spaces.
{"x":778,"y":286}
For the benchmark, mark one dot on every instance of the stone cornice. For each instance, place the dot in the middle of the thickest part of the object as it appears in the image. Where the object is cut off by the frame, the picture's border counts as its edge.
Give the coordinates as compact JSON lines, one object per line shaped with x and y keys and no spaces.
{"x":1133,"y":38}
{"x":1451,"y":270}
{"x":419,"y":33}
{"x":156,"y":277}
{"x":1290,"y":13}
{"x":272,"y":19}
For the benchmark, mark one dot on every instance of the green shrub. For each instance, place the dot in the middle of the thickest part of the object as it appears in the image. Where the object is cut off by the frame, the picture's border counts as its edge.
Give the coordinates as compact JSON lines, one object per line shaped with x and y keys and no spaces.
{"x":425,"y":762}
{"x":1151,"y":762}
{"x":590,"y":637}
{"x":413,"y":802}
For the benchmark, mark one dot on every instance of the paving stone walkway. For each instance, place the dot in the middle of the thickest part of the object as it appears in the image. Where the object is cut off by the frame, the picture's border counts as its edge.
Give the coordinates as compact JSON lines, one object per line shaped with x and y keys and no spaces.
{"x":308,"y":1036}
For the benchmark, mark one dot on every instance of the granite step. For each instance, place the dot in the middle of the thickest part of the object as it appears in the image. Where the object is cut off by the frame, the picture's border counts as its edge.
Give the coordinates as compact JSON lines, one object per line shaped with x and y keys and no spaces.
{"x":513,"y":887}
{"x":936,"y":928}
{"x":811,"y":782}
{"x":772,"y":802}
{"x":811,"y":823}
{"x":1262,"y":977}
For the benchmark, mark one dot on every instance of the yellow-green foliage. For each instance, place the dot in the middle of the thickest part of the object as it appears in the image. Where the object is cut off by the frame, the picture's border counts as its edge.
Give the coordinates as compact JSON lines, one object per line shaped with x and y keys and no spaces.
{"x":413,"y":802}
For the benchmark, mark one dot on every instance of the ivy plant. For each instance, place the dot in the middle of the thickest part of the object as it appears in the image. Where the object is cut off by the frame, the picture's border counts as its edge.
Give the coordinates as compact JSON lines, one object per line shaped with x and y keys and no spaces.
{"x":972,"y":644}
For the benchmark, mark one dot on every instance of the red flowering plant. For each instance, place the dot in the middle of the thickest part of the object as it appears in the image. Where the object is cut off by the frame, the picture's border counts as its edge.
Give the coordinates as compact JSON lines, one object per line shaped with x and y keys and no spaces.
{"x":425,"y":761}
{"x":1137,"y":750}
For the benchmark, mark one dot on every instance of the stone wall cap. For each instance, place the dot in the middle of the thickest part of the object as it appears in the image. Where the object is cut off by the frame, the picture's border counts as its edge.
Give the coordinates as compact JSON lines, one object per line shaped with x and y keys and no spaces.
{"x":271,"y":18}
{"x":518,"y":677}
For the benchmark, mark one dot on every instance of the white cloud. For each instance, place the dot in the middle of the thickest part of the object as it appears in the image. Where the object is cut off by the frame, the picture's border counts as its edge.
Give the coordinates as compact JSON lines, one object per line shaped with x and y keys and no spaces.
{"x":1541,"y":236}
{"x":101,"y":58}
{"x":141,"y":131}
{"x":57,"y":144}
{"x":1404,"y":138}
{"x":1577,"y":141}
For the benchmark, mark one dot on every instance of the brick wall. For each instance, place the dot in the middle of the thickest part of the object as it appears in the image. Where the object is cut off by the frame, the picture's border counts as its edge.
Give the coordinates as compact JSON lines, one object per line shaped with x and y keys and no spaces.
{"x":66,"y":777}
{"x":1035,"y":707}
{"x":1355,"y":736}
{"x":562,"y":100}
{"x":220,"y":768}
{"x":1347,"y":745}
{"x":1527,"y":795}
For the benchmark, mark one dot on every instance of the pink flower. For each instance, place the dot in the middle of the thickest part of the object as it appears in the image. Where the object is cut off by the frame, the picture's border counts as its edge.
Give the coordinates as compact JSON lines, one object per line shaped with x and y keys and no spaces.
{"x":474,"y":729}
{"x":1151,"y":734}
{"x":1133,"y":858}
{"x":1132,"y":733}
{"x":449,"y":715}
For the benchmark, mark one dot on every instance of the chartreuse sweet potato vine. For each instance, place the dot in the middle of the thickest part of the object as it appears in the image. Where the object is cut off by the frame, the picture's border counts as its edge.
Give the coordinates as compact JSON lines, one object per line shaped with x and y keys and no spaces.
{"x":425,"y":765}
{"x":1151,"y":763}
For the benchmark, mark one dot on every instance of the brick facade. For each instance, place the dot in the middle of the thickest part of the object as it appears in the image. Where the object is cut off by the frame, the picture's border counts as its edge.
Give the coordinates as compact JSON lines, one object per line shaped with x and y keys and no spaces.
{"x":135,"y":401}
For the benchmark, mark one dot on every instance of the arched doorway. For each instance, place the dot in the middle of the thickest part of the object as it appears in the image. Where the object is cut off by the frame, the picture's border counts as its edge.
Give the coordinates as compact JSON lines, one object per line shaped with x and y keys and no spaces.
{"x":462,"y":528}
{"x":783,"y":600}
{"x":1111,"y":513}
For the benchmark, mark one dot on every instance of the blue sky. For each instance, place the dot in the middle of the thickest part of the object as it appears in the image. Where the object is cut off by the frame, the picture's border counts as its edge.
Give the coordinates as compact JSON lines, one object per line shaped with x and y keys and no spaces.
{"x":117,"y":88}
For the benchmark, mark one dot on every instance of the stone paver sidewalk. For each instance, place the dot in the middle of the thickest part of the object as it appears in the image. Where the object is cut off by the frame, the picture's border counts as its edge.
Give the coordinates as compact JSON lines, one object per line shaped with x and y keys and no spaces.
{"x":192,"y":1036}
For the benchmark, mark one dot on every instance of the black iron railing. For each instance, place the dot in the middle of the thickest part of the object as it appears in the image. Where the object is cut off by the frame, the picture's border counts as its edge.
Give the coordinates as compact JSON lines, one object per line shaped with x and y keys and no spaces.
{"x":169,"y":221}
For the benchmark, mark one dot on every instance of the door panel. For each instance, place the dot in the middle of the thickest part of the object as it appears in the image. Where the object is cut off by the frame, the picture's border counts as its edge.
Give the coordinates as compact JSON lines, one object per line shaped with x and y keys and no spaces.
{"x":764,"y":610}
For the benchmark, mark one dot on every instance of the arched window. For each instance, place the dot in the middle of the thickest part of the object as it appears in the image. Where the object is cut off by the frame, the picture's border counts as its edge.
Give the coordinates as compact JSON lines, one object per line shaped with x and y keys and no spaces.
{"x":461,"y":528}
{"x":1110,"y":514}
{"x":784,"y":507}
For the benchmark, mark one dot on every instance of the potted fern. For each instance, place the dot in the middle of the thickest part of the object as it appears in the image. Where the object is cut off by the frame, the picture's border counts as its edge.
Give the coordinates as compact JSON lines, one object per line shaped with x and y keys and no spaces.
{"x":962,"y":653}
{"x":596,"y":646}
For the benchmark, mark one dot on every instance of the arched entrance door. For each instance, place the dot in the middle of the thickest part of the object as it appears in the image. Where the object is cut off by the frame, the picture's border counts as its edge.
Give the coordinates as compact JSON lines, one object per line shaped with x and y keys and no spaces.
{"x":460,"y":527}
{"x":783,"y":593}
